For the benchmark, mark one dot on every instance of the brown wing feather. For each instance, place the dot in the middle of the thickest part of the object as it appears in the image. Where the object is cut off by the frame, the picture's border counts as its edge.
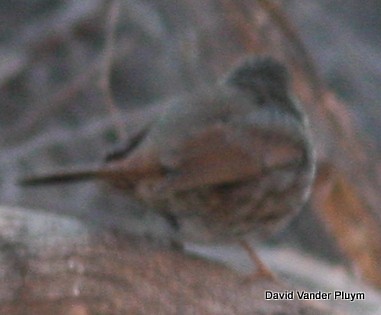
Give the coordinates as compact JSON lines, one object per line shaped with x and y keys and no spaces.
{"x":221,"y":155}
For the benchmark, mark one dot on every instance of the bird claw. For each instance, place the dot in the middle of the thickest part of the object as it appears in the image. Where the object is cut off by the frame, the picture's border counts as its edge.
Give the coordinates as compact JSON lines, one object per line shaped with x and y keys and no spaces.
{"x":262,"y":274}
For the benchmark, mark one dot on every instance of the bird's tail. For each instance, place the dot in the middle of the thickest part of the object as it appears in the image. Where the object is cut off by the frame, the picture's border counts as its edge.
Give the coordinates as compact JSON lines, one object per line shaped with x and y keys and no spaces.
{"x":62,"y":176}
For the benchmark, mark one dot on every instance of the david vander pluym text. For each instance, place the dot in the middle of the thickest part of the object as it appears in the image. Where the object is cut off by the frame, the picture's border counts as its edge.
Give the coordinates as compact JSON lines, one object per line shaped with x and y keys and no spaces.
{"x":317,"y":295}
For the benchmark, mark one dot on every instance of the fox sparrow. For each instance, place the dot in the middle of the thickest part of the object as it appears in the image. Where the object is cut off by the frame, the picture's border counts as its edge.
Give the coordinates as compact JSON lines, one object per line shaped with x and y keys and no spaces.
{"x":225,"y":161}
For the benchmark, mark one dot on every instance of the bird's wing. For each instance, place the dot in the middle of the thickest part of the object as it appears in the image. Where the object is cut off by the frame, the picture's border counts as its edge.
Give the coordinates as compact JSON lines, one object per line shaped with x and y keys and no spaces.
{"x":222,"y":154}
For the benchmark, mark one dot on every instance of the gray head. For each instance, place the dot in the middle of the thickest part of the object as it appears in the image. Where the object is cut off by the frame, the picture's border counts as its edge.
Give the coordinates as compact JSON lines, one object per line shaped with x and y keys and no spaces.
{"x":265,"y":77}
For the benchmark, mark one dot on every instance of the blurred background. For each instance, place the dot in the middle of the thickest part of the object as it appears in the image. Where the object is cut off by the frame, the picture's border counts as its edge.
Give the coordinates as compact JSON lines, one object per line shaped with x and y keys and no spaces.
{"x":344,"y":39}
{"x":53,"y":112}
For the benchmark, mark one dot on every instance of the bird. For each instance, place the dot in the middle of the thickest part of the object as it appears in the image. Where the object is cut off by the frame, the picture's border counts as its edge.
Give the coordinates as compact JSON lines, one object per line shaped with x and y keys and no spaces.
{"x":228,"y":160}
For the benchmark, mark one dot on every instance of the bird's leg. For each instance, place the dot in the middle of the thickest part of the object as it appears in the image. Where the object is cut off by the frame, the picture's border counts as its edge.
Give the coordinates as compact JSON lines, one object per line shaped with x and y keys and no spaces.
{"x":174,"y":243}
{"x":262,"y":271}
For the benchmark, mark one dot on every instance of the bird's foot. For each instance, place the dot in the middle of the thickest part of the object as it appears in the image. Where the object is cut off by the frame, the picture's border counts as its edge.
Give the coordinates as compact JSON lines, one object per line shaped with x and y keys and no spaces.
{"x":262,"y":272}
